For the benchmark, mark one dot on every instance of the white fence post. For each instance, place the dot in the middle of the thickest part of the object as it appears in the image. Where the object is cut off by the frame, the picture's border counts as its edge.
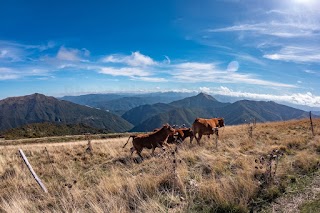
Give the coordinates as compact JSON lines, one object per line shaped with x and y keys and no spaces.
{"x":32,"y":172}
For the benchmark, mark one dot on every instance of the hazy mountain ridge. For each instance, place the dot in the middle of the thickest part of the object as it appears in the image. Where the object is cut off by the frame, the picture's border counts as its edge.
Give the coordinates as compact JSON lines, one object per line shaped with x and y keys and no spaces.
{"x":206,"y":106}
{"x":120,"y":103}
{"x":37,"y":108}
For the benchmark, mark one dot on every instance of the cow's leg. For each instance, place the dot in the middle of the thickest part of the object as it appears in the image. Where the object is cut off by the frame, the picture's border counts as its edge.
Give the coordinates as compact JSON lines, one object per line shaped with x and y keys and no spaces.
{"x":139,"y":153}
{"x":199,"y":138}
{"x":153,"y":148}
{"x":166,"y":145}
{"x":132,"y":149}
{"x":191,"y":139}
{"x":217,"y":136}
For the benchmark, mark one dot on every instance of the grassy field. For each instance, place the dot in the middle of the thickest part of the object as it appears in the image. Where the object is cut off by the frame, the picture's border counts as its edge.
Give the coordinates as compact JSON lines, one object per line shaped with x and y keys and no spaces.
{"x":229,"y":178}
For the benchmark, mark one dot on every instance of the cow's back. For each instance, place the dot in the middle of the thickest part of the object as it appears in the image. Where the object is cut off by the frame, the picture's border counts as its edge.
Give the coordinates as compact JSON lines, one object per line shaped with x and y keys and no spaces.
{"x":213,"y":122}
{"x":201,"y":125}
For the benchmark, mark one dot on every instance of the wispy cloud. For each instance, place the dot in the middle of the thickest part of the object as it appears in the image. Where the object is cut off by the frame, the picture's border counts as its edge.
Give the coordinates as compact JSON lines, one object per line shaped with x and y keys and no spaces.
{"x":40,"y":47}
{"x":296,"y":54}
{"x":290,"y":35}
{"x":7,"y":74}
{"x":249,"y":58}
{"x":277,"y":29}
{"x":17,"y":52}
{"x":208,"y":72}
{"x":135,"y":59}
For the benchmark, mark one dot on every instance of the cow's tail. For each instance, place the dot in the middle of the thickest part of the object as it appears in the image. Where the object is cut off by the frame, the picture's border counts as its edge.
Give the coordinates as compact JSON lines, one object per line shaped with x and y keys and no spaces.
{"x":131,"y":136}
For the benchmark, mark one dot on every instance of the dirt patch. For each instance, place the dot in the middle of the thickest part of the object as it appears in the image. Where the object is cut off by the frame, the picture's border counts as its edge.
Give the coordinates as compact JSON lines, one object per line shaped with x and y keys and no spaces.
{"x":292,"y":200}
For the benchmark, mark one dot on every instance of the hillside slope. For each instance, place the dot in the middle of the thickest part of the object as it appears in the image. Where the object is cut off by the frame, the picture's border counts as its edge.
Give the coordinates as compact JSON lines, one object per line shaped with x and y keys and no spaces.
{"x":177,"y":116}
{"x":37,"y":108}
{"x":141,"y":113}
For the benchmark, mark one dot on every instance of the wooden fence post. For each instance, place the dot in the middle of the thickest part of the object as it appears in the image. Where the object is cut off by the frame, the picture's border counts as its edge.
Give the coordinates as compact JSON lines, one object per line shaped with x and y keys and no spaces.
{"x":89,"y":148}
{"x":311,"y":124}
{"x":35,"y":176}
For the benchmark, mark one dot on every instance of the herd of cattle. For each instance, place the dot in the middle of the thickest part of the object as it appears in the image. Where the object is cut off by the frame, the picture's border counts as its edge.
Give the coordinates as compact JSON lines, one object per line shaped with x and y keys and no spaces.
{"x":167,"y":134}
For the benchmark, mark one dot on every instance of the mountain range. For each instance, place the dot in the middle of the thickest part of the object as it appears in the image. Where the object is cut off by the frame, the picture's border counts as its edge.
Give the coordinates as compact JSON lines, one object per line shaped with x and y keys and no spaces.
{"x":120,"y":103}
{"x":138,"y":112}
{"x":203,"y":105}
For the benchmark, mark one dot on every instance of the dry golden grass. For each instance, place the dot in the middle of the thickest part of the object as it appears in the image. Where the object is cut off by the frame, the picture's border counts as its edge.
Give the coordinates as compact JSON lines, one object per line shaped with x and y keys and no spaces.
{"x":203,"y":179}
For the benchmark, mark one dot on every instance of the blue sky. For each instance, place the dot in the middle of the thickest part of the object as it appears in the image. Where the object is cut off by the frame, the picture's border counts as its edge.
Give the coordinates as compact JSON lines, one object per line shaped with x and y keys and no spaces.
{"x":264,"y":50}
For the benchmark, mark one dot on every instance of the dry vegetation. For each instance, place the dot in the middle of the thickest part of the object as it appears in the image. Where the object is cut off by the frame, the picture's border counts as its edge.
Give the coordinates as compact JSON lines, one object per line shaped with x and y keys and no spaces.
{"x":195,"y":179}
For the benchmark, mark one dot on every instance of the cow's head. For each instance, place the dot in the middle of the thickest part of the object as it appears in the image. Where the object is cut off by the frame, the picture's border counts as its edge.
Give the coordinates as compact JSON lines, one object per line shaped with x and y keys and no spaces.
{"x":220,"y":122}
{"x":168,"y":128}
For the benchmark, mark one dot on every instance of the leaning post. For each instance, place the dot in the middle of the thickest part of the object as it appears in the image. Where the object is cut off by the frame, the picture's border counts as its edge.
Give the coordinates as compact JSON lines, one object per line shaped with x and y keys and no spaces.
{"x":35,"y":176}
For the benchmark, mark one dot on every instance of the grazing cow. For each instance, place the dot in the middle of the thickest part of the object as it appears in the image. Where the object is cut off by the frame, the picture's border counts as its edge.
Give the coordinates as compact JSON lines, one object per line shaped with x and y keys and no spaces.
{"x":151,"y":140}
{"x":206,"y":127}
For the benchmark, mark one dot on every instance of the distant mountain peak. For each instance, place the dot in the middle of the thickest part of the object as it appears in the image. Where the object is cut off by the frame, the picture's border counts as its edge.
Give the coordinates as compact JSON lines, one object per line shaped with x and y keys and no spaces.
{"x":198,"y":101}
{"x":206,"y":96}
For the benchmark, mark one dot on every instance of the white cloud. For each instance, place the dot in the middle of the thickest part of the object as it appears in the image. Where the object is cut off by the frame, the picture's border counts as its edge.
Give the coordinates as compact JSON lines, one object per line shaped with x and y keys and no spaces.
{"x":205,"y":89}
{"x":195,"y":66}
{"x":233,"y":66}
{"x":151,"y":79}
{"x":135,"y":59}
{"x":310,"y":71}
{"x":296,"y":54}
{"x":124,"y":71}
{"x":307,"y":99}
{"x":71,"y":54}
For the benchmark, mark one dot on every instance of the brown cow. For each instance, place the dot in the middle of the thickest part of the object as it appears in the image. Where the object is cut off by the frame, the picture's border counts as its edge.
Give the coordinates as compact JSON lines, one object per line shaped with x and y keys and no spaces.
{"x":175,"y":136}
{"x":204,"y":126}
{"x":151,"y":140}
{"x":180,"y":135}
